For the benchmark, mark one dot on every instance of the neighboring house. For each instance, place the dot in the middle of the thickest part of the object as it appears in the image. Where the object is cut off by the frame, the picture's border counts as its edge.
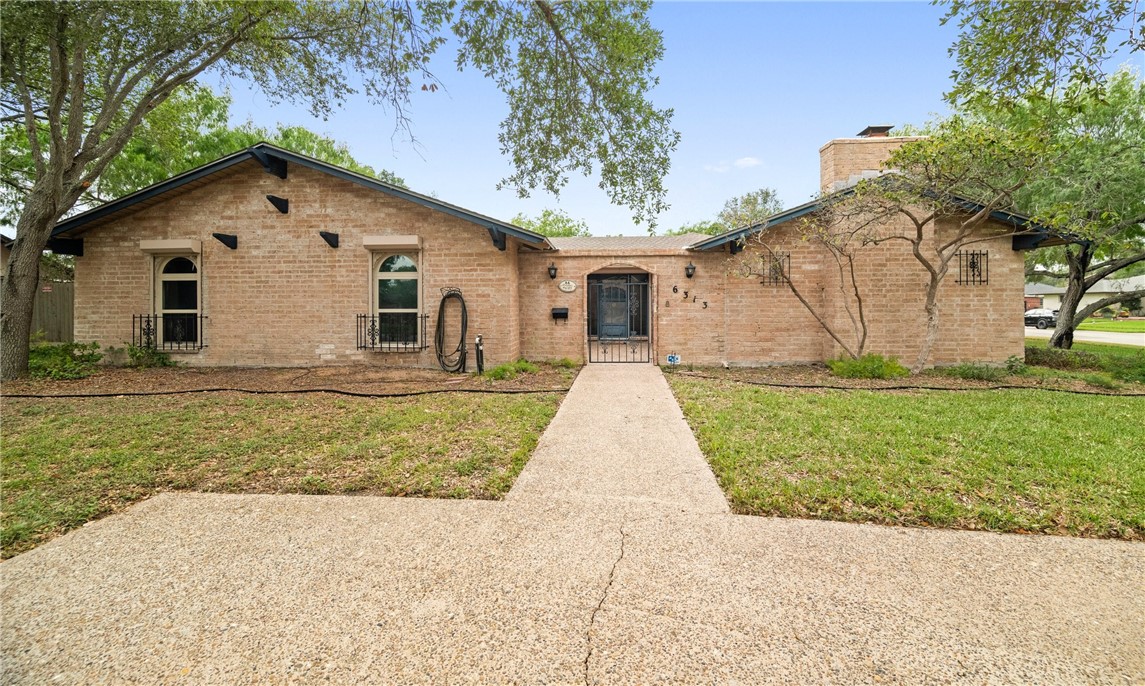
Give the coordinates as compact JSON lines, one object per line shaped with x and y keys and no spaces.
{"x":1051,"y":296}
{"x":267,"y":257}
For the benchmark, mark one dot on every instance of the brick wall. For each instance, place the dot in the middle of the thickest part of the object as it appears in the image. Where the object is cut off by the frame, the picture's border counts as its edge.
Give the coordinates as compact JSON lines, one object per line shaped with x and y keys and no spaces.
{"x":284,"y":297}
{"x":843,"y":157}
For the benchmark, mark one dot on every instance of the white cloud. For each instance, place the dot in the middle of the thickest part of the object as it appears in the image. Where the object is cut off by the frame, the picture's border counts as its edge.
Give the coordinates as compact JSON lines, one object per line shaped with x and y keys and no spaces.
{"x":723,"y":166}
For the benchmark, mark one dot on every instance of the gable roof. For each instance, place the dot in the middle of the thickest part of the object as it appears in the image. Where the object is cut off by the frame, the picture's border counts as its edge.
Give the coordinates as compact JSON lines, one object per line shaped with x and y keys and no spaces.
{"x":273,"y":158}
{"x":1035,"y":235}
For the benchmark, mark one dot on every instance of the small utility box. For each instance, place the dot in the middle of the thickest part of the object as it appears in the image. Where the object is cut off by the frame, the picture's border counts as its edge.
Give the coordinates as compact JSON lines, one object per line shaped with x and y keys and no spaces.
{"x":560,"y":313}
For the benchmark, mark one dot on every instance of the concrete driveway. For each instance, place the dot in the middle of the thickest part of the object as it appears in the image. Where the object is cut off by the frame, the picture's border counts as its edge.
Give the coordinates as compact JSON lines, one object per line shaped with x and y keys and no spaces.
{"x":1093,"y":336}
{"x":573,"y":579}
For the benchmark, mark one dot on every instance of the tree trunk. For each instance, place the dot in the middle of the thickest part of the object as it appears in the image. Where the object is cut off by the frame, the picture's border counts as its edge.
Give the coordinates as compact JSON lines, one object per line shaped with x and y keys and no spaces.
{"x":931,"y":324}
{"x":20,"y":285}
{"x":1062,"y":336}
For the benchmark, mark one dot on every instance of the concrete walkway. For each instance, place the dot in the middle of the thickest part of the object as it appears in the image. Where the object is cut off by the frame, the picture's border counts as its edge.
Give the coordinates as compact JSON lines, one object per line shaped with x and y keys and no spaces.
{"x":620,"y":440}
{"x":613,"y":560}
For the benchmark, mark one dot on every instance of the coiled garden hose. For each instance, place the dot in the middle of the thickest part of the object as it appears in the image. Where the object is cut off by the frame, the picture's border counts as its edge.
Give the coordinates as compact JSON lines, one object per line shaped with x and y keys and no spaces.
{"x":454,"y":362}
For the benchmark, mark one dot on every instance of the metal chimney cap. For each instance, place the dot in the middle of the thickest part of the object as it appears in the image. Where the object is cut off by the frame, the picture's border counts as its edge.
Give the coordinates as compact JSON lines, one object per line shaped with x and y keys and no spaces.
{"x":876,"y":131}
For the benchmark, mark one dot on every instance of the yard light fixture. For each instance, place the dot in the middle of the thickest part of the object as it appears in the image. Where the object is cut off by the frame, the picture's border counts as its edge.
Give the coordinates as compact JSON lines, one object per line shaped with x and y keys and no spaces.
{"x":690,"y":270}
{"x":552,"y":270}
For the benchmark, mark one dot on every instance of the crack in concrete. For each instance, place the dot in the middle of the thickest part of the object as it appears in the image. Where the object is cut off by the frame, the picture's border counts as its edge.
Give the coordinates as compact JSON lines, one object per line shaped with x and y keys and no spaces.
{"x":599,"y":605}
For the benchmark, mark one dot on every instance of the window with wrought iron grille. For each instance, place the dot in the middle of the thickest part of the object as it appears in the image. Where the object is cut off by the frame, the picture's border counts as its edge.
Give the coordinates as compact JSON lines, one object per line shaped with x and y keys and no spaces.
{"x":973,"y":267}
{"x":776,"y":268}
{"x":396,"y":324}
{"x":177,"y":320}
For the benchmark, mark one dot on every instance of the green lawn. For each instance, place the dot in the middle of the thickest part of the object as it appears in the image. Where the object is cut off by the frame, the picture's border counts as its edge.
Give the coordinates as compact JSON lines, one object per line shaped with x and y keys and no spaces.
{"x":67,"y":461}
{"x":1021,"y":460}
{"x":1116,"y":325}
{"x":1118,"y":362}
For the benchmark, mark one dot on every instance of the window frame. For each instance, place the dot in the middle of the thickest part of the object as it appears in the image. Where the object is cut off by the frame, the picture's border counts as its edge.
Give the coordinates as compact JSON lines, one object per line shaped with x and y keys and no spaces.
{"x":161,"y":278}
{"x":377,"y":259}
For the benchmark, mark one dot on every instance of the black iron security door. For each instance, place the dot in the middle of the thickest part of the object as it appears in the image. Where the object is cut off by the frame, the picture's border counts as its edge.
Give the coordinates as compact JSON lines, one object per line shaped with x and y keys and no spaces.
{"x":619,"y":327}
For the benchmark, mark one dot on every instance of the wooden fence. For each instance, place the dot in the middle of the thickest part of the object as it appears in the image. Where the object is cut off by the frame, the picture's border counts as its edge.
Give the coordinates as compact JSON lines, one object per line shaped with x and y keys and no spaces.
{"x":53,"y":311}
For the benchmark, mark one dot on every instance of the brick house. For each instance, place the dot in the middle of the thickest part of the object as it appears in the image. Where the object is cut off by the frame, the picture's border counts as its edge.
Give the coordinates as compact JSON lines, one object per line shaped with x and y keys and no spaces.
{"x":269,"y":258}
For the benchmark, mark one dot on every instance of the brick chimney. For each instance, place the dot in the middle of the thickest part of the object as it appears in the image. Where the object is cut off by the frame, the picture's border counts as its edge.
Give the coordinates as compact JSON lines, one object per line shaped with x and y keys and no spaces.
{"x":844,"y":161}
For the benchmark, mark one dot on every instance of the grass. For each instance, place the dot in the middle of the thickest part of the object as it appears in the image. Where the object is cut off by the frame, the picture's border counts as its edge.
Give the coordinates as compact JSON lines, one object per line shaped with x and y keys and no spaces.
{"x":868,"y":366}
{"x":1115,"y":325}
{"x":1118,"y":362}
{"x":69,"y":461}
{"x":510,"y":370}
{"x":1016,"y":461}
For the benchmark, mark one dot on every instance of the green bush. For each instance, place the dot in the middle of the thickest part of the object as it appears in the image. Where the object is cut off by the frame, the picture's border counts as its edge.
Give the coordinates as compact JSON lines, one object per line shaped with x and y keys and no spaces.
{"x":868,"y":366}
{"x":565,"y":363}
{"x":1016,"y":365}
{"x":145,"y":358}
{"x":1056,"y":358}
{"x":975,"y":372}
{"x":511,"y":370}
{"x":63,"y":361}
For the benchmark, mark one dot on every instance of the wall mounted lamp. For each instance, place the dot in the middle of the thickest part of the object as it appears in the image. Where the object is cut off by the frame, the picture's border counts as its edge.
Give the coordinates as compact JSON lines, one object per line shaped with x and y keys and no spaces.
{"x":552,"y":270}
{"x":690,"y":270}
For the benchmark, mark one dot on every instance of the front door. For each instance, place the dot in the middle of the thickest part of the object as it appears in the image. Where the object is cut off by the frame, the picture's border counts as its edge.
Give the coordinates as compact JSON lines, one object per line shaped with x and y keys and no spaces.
{"x":619,"y":327}
{"x":612,"y":309}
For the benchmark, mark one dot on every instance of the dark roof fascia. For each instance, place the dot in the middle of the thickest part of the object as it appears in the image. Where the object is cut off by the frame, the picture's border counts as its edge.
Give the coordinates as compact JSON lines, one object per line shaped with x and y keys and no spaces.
{"x":740,"y":234}
{"x":260,"y":150}
{"x":424,"y":200}
{"x":84,"y":218}
{"x":1037,"y":232}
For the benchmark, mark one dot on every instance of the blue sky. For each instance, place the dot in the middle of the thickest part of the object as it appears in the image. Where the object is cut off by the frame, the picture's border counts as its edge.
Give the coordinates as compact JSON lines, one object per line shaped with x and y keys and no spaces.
{"x":757,"y":88}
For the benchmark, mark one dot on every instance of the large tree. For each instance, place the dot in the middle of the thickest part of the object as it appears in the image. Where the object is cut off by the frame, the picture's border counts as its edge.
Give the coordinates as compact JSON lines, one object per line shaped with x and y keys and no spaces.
{"x":742,"y":210}
{"x":79,"y":77}
{"x":1094,"y":197}
{"x":1053,"y":57}
{"x":190,"y":128}
{"x":1008,"y":50}
{"x":554,"y":223}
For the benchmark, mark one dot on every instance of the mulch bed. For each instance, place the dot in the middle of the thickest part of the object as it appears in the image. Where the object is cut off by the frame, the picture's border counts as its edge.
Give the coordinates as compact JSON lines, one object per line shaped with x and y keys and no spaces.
{"x":354,"y":379}
{"x":818,"y":376}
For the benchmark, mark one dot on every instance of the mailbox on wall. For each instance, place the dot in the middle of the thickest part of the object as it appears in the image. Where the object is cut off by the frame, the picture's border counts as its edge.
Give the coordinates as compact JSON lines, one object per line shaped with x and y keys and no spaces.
{"x":560,"y":313}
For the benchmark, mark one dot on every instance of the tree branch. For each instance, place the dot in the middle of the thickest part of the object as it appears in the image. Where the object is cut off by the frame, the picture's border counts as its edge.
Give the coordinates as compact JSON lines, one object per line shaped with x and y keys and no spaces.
{"x":1114,"y":299}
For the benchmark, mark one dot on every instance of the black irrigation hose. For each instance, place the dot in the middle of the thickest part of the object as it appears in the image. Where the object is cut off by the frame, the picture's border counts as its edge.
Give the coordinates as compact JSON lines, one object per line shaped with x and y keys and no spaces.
{"x":454,"y":362}
{"x":334,"y":391}
{"x":1004,"y":387}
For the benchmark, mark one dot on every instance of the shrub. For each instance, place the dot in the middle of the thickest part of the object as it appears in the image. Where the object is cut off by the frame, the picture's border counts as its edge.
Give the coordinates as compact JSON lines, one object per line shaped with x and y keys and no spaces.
{"x":63,"y":361}
{"x":143,"y":357}
{"x":1016,"y":365}
{"x":565,"y":363}
{"x":1056,"y":358}
{"x":868,"y":366}
{"x":975,"y":372}
{"x":510,"y":370}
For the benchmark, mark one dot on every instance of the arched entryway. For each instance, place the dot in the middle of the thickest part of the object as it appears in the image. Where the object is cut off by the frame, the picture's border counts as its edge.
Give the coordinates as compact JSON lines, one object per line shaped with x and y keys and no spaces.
{"x":619,"y":307}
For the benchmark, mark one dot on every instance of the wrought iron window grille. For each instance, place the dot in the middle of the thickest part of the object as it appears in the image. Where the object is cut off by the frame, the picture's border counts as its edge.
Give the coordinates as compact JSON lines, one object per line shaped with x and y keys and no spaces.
{"x":169,"y":332}
{"x":775,"y":270}
{"x":392,"y":333}
{"x":973,"y":267}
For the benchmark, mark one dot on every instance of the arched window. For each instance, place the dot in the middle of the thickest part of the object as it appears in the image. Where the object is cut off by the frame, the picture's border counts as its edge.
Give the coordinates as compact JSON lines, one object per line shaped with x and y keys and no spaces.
{"x":177,"y":303}
{"x":398,"y":299}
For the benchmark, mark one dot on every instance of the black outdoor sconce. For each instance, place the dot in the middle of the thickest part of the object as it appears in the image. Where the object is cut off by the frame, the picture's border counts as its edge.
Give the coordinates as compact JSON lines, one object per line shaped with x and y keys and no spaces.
{"x":690,"y":270}
{"x":552,"y":270}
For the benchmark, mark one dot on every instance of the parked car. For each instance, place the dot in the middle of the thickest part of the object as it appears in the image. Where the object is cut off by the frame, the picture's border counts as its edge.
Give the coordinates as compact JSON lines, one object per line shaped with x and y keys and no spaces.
{"x":1042,"y":318}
